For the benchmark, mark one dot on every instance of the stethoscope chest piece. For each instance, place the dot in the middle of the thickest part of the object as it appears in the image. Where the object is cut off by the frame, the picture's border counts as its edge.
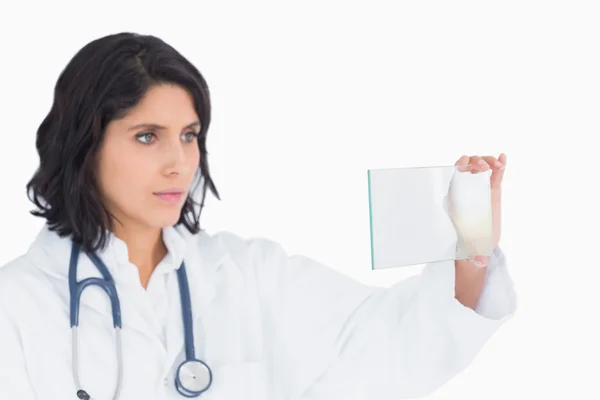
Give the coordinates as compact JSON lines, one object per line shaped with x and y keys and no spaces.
{"x":192,"y":378}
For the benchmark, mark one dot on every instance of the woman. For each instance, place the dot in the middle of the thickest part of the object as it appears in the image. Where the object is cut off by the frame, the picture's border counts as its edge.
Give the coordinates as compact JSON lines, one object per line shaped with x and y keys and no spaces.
{"x":121,"y":153}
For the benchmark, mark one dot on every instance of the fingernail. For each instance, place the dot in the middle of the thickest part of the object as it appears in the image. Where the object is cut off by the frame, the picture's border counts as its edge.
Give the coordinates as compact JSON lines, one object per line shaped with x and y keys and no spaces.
{"x":479,"y":261}
{"x":499,"y":164}
{"x":481,"y":162}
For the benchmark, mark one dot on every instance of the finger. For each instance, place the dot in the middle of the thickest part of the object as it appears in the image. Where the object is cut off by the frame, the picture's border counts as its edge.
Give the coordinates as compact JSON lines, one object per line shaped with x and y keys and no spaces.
{"x":478,"y":164}
{"x":463,"y":164}
{"x":493,"y":162}
{"x":502,"y":159}
{"x":479,"y":261}
{"x":498,"y":174}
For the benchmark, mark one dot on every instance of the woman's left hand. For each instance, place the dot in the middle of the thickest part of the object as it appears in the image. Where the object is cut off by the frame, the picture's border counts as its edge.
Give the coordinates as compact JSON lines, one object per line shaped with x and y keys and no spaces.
{"x":469,"y":280}
{"x":497,"y":165}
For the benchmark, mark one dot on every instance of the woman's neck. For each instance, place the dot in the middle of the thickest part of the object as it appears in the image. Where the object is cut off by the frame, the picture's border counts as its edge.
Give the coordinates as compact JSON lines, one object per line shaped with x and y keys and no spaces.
{"x":145,"y":248}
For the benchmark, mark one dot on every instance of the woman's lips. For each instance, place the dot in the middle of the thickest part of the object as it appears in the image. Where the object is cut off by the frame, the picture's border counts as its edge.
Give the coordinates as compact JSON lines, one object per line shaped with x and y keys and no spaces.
{"x":170,"y":197}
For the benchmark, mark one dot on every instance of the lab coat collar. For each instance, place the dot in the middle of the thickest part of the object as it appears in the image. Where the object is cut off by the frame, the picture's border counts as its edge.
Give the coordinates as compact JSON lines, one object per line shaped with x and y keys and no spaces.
{"x":115,"y":255}
{"x":207,"y":250}
{"x":52,"y":254}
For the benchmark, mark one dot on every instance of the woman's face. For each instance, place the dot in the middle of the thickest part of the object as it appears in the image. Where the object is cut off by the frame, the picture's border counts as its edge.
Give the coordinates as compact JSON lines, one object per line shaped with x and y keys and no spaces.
{"x":148,"y":159}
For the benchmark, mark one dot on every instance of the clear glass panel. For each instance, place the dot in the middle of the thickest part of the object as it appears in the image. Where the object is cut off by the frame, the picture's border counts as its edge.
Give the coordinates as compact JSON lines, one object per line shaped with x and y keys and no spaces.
{"x":428,"y":214}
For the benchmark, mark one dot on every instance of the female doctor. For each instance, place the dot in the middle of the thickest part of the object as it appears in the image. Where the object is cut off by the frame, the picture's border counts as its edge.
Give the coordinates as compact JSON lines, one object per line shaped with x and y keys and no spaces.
{"x":122,"y":295}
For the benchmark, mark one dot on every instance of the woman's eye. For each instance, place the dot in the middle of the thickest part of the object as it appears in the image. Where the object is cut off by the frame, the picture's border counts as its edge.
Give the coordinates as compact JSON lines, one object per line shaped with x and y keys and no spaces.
{"x":190,"y":136}
{"x":145,"y":138}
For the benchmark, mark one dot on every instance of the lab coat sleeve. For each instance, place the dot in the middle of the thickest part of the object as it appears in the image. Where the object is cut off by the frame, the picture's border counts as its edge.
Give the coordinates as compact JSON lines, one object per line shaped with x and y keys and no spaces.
{"x":14,"y":381}
{"x":337,"y":338}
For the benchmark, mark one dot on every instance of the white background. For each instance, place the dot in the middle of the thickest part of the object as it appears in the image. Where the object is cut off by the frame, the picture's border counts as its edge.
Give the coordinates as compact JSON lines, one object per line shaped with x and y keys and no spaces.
{"x":309,"y":95}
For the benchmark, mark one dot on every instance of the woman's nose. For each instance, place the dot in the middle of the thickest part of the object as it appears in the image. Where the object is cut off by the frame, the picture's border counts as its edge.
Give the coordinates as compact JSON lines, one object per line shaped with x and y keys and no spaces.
{"x":175,"y":158}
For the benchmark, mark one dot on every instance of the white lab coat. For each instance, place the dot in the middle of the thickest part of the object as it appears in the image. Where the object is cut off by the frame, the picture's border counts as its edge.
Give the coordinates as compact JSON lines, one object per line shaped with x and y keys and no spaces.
{"x":270,"y":325}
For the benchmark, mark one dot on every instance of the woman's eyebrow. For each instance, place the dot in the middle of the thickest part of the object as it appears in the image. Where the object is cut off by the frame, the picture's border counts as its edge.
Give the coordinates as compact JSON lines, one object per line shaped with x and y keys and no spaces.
{"x":160,"y":127}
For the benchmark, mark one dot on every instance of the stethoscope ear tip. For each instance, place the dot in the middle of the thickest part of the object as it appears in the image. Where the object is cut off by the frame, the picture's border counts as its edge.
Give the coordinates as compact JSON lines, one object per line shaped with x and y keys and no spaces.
{"x":82,"y":394}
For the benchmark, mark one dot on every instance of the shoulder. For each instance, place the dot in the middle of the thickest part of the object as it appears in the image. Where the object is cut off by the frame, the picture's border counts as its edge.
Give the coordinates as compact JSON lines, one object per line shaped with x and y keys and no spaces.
{"x":263,"y":258}
{"x":16,"y":272}
{"x":36,"y":271}
{"x":235,"y":246}
{"x":20,"y":283}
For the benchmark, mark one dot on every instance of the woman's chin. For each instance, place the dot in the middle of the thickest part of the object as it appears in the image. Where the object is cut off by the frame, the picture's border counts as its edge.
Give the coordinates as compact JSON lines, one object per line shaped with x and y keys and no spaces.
{"x":165,"y":220}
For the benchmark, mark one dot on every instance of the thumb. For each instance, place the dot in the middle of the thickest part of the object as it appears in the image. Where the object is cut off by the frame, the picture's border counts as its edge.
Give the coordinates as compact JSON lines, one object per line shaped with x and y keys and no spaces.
{"x":498,"y":174}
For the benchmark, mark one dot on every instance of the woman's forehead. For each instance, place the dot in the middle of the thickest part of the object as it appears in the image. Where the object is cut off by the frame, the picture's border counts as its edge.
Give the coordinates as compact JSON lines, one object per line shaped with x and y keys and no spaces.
{"x":162,"y":107}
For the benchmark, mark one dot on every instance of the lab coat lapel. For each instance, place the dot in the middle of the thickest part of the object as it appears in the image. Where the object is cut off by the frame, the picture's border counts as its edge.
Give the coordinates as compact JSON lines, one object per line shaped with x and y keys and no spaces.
{"x":96,"y":299}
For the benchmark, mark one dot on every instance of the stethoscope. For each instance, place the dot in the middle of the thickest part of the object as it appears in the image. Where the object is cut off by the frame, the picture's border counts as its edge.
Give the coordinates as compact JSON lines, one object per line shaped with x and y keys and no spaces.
{"x":192,"y":378}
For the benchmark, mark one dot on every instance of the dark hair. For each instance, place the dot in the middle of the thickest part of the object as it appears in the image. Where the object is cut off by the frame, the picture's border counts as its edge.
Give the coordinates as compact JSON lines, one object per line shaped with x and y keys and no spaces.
{"x":104,"y":80}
